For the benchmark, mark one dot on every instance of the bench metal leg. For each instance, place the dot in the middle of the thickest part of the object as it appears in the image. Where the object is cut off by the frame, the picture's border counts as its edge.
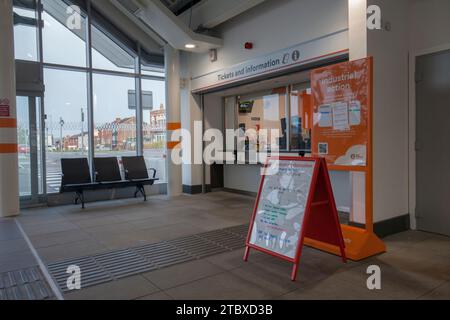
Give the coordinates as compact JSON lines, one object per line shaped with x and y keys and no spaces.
{"x":141,"y":190}
{"x":143,"y":193}
{"x":80,"y":196}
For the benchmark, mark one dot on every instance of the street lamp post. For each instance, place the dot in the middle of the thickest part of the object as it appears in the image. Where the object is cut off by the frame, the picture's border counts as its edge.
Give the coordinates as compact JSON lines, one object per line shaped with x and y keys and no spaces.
{"x":61,"y":124}
{"x":82,"y":132}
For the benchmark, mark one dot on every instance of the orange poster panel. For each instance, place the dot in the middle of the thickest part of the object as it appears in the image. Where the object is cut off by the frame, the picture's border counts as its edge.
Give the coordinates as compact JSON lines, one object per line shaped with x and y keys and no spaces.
{"x":341,"y":98}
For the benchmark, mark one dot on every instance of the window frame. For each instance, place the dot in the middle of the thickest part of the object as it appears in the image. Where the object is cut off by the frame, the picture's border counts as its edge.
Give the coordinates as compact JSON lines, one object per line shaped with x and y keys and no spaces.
{"x":38,"y":27}
{"x":262,"y":94}
{"x":302,"y":86}
{"x":288,"y":113}
{"x":94,"y":18}
{"x":84,"y":12}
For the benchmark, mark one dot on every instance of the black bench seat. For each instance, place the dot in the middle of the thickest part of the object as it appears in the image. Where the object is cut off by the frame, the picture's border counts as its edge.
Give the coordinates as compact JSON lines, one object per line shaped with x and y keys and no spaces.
{"x":75,"y":187}
{"x":136,"y":173}
{"x":76,"y":176}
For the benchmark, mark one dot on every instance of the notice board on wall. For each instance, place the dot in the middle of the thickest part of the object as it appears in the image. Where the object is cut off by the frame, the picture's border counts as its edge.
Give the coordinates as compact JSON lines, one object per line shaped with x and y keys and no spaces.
{"x":295,"y":201}
{"x":342,"y":103}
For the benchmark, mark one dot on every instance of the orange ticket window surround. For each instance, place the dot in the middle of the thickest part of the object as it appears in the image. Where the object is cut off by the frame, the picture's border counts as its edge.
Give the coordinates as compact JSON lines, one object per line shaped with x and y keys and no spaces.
{"x":307,"y":112}
{"x":342,"y":134}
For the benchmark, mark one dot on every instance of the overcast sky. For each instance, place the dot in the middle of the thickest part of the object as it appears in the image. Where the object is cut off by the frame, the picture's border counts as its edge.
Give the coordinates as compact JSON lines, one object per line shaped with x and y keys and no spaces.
{"x":66,"y":91}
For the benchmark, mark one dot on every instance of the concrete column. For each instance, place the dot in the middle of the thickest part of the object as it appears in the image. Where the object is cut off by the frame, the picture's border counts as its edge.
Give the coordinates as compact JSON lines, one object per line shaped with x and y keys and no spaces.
{"x":9,"y":172}
{"x":357,"y":20}
{"x":358,"y":50}
{"x":173,"y":116}
{"x":191,"y":117}
{"x":390,"y":112}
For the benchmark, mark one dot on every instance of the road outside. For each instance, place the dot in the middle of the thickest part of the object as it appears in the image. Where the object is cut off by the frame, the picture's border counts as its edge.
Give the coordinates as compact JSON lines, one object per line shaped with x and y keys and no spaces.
{"x":154,"y":158}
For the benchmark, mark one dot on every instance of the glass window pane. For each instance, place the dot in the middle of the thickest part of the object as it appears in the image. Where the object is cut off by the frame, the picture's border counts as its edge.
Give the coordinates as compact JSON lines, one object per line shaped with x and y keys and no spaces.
{"x":108,"y":55}
{"x":114,"y":116}
{"x":29,"y":147}
{"x":25,"y":33}
{"x":301,"y":118}
{"x":154,"y":128}
{"x":66,"y":128}
{"x":23,"y":140}
{"x":152,"y":71}
{"x":152,"y":65}
{"x":40,"y":154}
{"x":64,"y":34}
{"x":264,"y":111}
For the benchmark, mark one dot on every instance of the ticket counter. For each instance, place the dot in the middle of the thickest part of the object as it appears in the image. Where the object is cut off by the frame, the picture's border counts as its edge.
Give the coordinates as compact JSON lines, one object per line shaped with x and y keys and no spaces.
{"x":282,"y":103}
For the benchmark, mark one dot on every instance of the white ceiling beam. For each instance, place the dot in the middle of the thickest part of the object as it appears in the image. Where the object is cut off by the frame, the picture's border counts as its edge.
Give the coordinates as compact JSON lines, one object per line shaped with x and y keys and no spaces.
{"x":169,"y":27}
{"x":211,"y":13}
{"x":130,"y":25}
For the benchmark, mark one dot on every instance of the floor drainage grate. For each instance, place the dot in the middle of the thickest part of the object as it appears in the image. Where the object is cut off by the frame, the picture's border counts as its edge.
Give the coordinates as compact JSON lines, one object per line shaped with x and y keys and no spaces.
{"x":25,"y":284}
{"x":164,"y":254}
{"x":197,"y":246}
{"x":118,"y":264}
{"x":92,"y":272}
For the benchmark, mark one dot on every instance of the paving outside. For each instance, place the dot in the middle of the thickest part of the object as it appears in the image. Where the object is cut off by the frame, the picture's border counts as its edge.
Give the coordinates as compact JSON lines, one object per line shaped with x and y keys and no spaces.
{"x":417,"y":265}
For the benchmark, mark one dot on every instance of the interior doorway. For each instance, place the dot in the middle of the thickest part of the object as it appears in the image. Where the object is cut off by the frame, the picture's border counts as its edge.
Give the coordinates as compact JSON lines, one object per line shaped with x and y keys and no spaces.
{"x":432,"y":142}
{"x":30,"y":151}
{"x":217,"y":178}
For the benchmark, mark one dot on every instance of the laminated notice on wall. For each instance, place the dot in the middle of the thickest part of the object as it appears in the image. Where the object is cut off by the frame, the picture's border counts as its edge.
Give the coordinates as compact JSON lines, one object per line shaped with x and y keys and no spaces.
{"x":355,"y":113}
{"x":340,"y":116}
{"x":325,"y":117}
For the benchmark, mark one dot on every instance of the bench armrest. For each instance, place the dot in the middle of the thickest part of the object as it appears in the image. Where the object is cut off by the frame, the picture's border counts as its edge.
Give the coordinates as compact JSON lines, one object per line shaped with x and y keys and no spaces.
{"x":154,"y":172}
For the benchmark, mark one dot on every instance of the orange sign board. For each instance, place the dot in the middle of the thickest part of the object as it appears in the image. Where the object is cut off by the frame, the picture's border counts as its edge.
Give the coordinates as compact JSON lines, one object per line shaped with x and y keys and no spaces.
{"x":4,"y":110}
{"x":342,"y":103}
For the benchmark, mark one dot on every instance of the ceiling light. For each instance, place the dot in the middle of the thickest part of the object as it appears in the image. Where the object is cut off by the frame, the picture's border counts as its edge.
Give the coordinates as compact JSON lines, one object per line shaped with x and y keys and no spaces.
{"x":190,"y":46}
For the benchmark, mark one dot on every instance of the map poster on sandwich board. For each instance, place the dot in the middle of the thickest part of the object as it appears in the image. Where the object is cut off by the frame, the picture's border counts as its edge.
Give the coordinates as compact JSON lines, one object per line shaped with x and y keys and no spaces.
{"x":295,"y":200}
{"x":342,"y":104}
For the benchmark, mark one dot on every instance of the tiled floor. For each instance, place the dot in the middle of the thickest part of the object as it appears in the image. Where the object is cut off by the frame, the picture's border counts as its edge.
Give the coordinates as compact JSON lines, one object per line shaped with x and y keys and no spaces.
{"x":14,"y":251}
{"x":20,"y":275}
{"x":65,"y":232}
{"x":417,"y":265}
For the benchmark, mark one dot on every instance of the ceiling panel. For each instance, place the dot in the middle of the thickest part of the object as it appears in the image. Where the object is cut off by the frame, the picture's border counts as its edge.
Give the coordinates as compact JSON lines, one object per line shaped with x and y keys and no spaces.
{"x":179,"y":6}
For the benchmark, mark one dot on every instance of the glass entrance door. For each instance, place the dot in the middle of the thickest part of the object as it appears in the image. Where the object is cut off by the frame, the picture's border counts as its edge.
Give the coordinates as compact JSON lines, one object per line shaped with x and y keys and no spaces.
{"x":29,"y":138}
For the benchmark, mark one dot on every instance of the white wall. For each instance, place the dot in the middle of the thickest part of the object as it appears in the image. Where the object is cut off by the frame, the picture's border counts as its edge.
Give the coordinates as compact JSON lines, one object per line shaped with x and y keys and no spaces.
{"x":190,"y":112}
{"x":9,"y":184}
{"x":417,"y":25}
{"x":390,"y":111}
{"x":271,"y":26}
{"x":429,"y":23}
{"x":247,"y":178}
{"x":242,"y":177}
{"x":213,"y":120}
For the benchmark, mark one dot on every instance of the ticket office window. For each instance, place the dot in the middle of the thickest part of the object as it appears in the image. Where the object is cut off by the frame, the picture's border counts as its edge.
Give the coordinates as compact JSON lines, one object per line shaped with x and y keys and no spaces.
{"x":264,"y":112}
{"x":287,"y":109}
{"x":301,"y":118}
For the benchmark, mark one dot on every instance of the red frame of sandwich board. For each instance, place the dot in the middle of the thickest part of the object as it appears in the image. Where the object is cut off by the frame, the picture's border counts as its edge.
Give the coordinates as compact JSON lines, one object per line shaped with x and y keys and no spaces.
{"x":318,"y":162}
